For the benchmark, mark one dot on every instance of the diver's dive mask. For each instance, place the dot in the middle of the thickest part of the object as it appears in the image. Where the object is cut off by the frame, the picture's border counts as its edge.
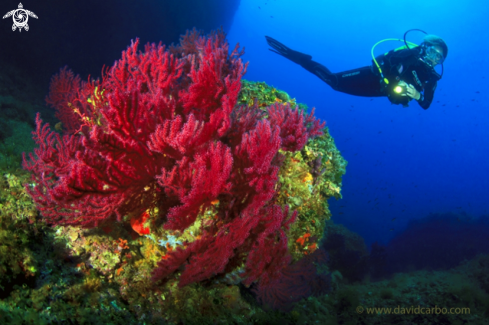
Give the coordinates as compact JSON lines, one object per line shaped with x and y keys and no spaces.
{"x":432,"y":55}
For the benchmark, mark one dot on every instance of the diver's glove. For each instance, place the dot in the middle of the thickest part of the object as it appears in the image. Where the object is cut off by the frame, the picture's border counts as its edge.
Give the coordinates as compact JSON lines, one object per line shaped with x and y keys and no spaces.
{"x":294,"y":56}
{"x":412,"y":92}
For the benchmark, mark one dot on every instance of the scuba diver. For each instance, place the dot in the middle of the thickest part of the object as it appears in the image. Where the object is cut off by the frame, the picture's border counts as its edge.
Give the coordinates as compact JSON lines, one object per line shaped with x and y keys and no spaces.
{"x":402,"y":74}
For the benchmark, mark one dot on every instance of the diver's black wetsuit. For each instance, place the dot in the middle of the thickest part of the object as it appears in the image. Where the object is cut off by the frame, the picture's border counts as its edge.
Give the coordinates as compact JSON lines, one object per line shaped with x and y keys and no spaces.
{"x":405,"y":65}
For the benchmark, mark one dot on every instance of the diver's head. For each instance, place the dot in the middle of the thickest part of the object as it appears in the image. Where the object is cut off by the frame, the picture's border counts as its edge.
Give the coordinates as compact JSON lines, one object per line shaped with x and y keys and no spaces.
{"x":435,"y":50}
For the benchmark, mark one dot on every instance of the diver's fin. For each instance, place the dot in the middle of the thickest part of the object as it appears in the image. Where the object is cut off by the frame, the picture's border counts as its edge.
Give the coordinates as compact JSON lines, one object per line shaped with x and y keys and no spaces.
{"x":294,"y":56}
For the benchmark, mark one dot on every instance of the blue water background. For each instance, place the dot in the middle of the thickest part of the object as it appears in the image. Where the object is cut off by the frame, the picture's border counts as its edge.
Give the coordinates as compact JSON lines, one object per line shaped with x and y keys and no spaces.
{"x":403,"y":163}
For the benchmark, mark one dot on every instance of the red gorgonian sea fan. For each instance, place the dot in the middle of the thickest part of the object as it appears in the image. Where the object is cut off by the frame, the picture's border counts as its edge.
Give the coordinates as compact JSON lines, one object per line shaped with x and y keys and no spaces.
{"x":162,"y":132}
{"x":63,"y":90}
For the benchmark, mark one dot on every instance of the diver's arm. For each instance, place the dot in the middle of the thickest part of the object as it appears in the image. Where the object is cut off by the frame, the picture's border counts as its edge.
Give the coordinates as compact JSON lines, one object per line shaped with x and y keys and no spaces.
{"x":412,"y":92}
{"x":427,"y":96}
{"x":424,"y":100}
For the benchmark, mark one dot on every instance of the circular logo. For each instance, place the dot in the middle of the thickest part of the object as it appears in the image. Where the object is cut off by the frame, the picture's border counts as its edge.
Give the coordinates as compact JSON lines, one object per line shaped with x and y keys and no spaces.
{"x":20,"y":17}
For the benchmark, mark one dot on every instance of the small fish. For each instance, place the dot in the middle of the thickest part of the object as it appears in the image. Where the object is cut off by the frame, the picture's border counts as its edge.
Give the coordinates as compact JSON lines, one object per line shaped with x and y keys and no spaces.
{"x":392,"y":229}
{"x":393,"y":219}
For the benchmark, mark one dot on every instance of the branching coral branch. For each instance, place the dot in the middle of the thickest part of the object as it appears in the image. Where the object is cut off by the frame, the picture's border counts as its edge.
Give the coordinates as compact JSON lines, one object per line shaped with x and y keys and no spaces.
{"x":63,"y":90}
{"x":295,"y":129}
{"x":161,"y":132}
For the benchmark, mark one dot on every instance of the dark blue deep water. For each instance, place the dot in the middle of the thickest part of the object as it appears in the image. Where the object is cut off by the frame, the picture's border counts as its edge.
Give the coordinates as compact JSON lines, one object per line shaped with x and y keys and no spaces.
{"x":403,"y":163}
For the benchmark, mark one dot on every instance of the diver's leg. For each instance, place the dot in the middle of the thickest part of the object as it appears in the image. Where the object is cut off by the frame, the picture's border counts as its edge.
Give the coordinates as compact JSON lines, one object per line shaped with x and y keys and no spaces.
{"x":359,"y":82}
{"x":321,"y":72}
